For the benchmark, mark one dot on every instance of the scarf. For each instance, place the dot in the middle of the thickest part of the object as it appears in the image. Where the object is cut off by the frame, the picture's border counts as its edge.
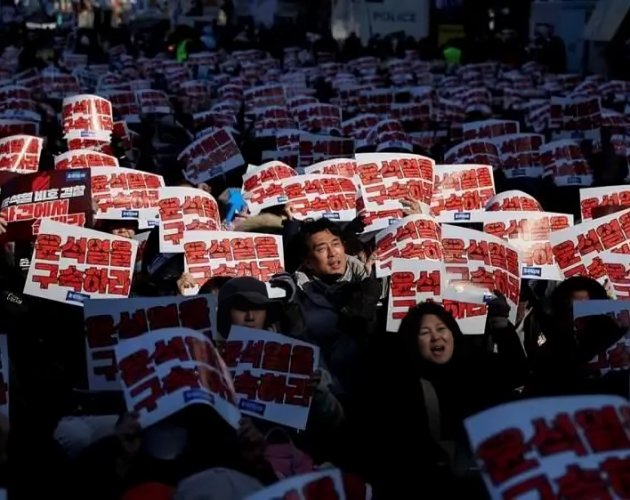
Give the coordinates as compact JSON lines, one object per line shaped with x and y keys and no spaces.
{"x":321,"y":292}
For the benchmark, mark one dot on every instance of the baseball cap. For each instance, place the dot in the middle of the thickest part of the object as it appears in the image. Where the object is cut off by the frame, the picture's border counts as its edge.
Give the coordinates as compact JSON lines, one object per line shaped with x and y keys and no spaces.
{"x":250,"y":289}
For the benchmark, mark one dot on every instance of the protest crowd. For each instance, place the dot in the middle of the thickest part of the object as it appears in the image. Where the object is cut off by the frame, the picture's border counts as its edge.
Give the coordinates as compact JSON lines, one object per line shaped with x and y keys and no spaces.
{"x":247,"y":264}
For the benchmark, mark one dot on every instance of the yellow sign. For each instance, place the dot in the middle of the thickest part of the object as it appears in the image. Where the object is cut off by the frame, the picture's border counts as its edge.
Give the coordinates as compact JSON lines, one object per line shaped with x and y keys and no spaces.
{"x":448,"y":32}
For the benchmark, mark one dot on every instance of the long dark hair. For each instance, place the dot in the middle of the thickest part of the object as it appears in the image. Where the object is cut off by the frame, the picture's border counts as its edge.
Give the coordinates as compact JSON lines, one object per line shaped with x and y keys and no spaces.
{"x":410,"y":329}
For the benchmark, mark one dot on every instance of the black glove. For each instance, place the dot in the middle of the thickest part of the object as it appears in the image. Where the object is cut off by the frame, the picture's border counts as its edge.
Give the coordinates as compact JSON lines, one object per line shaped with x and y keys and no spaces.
{"x":355,"y":226}
{"x":498,"y":311}
{"x":360,"y":310}
{"x":285,"y":282}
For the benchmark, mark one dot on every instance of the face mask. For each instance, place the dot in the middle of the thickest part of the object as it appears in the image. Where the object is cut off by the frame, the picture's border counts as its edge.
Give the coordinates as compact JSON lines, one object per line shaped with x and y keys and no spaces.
{"x":190,"y":291}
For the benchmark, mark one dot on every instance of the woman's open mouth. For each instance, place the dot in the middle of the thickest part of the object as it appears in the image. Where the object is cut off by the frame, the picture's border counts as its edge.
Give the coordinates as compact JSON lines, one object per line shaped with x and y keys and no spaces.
{"x":438,"y":350}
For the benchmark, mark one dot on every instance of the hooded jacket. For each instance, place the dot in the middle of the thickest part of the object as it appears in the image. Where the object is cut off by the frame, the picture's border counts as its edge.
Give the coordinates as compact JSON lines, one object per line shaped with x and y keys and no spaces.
{"x":339,"y":317}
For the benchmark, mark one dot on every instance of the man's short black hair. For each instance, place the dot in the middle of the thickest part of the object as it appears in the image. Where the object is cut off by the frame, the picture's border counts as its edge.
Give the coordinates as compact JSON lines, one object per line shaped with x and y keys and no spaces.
{"x":309,"y":229}
{"x":561,"y":296}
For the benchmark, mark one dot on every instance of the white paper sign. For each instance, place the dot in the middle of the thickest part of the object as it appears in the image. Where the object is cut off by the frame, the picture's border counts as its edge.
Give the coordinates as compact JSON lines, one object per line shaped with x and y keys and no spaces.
{"x":108,"y":322}
{"x":167,"y":370}
{"x":271,"y":374}
{"x":72,"y":264}
{"x":553,"y":448}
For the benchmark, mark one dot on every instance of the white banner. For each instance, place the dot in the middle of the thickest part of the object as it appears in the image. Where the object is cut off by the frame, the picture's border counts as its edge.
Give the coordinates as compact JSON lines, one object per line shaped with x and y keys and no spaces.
{"x":380,"y":18}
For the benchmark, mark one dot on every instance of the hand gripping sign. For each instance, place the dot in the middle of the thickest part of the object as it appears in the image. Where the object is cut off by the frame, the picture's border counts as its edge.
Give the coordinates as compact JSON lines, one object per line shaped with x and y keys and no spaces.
{"x":72,"y":264}
{"x":167,"y":370}
{"x":271,"y":375}
{"x":550,"y":449}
